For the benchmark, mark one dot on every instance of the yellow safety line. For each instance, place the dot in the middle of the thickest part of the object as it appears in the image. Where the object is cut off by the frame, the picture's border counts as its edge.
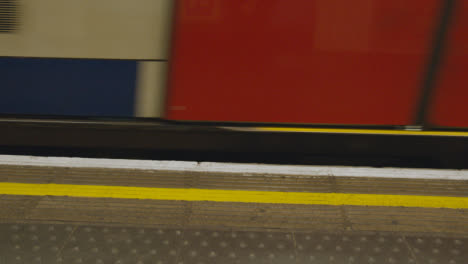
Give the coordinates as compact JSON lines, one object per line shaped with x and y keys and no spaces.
{"x":363,"y":131}
{"x":233,"y":195}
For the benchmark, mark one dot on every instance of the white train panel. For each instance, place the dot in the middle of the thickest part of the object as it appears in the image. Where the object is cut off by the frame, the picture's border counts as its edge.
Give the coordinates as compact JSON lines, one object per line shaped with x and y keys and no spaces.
{"x":104,"y":29}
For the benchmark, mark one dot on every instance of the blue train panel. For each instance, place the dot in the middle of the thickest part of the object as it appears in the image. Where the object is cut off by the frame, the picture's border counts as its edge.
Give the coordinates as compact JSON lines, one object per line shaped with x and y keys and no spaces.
{"x":67,"y":87}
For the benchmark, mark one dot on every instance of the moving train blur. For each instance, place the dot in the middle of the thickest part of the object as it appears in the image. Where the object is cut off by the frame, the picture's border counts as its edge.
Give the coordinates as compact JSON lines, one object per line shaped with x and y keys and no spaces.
{"x":363,"y":68}
{"x":200,"y":104}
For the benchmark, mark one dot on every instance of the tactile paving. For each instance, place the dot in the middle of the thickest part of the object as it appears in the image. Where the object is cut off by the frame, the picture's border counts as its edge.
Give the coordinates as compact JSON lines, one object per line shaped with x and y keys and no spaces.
{"x":61,"y":243}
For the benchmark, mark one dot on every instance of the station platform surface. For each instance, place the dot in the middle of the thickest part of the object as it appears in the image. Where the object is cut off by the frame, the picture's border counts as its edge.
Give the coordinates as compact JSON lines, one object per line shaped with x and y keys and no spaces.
{"x":71,"y":210}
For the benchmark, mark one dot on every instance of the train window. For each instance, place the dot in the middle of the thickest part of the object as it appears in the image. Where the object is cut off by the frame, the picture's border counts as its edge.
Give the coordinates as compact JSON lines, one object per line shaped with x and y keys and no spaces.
{"x":8,"y":16}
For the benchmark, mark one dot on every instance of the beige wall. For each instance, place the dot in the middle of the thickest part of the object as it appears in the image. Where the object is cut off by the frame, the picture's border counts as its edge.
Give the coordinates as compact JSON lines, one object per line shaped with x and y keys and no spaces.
{"x":111,"y":29}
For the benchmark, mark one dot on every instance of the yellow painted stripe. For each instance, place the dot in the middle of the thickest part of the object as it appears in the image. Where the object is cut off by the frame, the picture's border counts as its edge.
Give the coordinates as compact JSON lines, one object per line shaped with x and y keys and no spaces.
{"x":363,"y":131}
{"x":233,"y":195}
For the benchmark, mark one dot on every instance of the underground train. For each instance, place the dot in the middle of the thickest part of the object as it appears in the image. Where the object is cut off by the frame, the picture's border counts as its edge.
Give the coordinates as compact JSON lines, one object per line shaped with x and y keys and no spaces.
{"x":399,"y":65}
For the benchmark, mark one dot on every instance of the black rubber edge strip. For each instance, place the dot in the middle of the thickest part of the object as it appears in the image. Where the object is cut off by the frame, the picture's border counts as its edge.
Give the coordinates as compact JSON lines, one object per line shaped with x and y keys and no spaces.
{"x":435,"y":62}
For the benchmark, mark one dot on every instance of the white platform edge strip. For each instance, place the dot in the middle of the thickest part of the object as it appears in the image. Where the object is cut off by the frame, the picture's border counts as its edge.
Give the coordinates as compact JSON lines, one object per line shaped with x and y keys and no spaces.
{"x":242,"y":169}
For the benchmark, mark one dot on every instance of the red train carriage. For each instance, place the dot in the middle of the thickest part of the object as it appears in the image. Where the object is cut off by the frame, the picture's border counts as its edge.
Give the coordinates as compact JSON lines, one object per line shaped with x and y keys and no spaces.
{"x":364,"y":62}
{"x":377,"y":75}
